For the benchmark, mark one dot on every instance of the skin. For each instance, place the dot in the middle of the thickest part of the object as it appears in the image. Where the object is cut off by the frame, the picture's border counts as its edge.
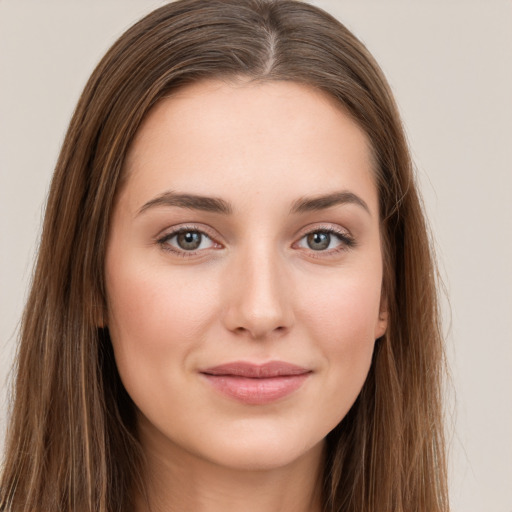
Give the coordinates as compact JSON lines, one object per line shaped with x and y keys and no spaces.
{"x":253,"y":291}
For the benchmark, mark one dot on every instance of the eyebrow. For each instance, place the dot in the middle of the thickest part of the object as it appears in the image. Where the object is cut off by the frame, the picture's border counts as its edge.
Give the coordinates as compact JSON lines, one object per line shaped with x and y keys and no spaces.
{"x":217,"y":205}
{"x":322,"y":202}
{"x":190,"y":201}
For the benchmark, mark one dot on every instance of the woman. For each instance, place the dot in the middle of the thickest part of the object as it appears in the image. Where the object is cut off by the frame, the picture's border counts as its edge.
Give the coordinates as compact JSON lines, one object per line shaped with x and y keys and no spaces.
{"x":234,"y":303}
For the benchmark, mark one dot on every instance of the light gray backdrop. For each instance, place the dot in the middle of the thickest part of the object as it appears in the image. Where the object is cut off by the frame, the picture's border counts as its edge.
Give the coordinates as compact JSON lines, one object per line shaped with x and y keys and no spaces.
{"x":450,"y":65}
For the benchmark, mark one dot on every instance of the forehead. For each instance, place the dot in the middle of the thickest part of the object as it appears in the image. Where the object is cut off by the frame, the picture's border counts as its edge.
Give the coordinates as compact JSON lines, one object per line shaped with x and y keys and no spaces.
{"x":216,"y":137}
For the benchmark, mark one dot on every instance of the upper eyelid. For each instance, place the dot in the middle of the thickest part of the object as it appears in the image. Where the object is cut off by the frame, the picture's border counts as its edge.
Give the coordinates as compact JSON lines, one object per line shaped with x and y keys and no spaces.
{"x":170,"y":232}
{"x":323,"y":226}
{"x":163,"y":241}
{"x":343,"y":236}
{"x":175,"y":230}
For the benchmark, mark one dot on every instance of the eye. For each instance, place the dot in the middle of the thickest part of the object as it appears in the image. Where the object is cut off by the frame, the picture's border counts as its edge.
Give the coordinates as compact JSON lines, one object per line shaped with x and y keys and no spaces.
{"x":186,"y":240}
{"x":326,"y":240}
{"x":318,"y":241}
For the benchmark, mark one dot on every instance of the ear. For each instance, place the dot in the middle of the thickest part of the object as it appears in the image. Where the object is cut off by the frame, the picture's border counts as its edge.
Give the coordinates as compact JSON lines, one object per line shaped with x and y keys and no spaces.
{"x":381,"y":324}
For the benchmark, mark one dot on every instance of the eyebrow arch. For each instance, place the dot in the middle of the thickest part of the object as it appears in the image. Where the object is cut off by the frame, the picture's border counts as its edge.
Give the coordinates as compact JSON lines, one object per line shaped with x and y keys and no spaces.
{"x":190,"y":201}
{"x":322,"y":202}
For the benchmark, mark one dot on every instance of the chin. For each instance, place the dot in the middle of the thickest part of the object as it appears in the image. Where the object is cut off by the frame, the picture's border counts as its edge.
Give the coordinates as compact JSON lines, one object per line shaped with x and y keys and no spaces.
{"x":262,"y":451}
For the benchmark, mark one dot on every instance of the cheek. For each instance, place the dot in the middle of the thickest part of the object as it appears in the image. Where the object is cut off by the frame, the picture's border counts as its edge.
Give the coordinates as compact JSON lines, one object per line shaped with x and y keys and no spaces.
{"x":341,"y":315}
{"x":156,"y":317}
{"x":344,"y":307}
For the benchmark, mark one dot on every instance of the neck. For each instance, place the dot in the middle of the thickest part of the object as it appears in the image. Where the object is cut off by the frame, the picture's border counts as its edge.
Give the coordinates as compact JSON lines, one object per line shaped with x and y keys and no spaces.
{"x":176,"y":480}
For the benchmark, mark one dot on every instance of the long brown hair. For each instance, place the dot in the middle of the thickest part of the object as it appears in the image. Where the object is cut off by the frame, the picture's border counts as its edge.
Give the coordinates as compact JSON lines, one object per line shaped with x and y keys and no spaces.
{"x":72,"y":442}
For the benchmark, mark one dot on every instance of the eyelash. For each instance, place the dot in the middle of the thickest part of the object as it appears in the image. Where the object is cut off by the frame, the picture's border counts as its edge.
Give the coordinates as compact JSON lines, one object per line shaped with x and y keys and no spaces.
{"x":346,"y":241}
{"x":164,"y":240}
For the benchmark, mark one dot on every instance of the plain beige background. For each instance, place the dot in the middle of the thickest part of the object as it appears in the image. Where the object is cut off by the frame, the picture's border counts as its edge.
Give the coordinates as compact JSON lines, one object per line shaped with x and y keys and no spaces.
{"x":450,"y":65}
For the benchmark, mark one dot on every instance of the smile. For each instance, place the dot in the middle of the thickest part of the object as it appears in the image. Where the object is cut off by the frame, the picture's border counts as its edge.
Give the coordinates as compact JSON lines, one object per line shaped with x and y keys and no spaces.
{"x":254,"y":384}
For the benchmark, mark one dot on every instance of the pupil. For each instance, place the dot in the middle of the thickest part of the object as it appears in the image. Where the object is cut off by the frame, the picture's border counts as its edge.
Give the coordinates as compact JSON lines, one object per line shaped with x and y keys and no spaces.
{"x":319,"y":241}
{"x":189,"y":240}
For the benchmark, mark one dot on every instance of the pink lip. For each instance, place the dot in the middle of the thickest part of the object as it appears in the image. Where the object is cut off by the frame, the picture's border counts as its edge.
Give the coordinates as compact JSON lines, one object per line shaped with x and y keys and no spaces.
{"x":256,"y":384}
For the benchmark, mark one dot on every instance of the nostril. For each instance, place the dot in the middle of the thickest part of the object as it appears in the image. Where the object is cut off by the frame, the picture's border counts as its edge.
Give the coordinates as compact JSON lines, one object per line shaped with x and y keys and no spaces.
{"x":260,"y":332}
{"x":259,"y":312}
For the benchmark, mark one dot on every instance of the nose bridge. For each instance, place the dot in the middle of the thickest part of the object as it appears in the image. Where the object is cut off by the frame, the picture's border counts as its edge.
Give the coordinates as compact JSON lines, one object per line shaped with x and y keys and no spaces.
{"x":260,"y":301}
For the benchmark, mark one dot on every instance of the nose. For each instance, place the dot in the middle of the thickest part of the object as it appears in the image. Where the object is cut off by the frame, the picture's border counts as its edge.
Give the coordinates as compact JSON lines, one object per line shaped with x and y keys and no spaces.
{"x":259,"y":298}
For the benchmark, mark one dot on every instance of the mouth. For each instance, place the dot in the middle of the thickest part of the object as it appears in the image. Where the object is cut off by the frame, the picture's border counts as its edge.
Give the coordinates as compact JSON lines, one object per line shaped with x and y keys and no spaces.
{"x":256,"y":384}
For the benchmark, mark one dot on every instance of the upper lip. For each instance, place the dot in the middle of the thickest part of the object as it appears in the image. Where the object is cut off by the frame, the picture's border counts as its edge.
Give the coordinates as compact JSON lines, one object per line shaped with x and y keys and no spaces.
{"x":256,"y":371}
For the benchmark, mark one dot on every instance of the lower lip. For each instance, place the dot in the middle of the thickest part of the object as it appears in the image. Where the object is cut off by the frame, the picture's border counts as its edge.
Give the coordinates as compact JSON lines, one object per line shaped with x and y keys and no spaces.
{"x":256,"y":391}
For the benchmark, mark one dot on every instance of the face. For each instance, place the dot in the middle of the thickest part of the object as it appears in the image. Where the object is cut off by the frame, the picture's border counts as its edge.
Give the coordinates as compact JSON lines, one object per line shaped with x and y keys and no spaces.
{"x":244,"y":272}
